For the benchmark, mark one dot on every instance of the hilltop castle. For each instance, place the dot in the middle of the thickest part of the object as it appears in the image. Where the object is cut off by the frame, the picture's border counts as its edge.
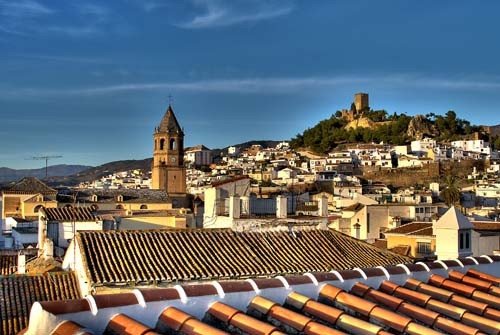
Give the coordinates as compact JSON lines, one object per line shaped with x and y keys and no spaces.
{"x":358,"y":107}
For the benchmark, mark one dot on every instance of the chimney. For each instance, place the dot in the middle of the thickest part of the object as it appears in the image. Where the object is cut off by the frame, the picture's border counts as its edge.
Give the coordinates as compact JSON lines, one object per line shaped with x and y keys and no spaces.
{"x":281,"y":207}
{"x":245,"y":205}
{"x":42,"y":230}
{"x":234,"y":207}
{"x":21,"y":263}
{"x":323,"y":207}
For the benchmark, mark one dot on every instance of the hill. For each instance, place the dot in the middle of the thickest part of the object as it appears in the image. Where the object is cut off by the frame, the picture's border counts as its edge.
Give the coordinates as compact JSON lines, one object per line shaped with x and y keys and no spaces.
{"x":94,"y":173}
{"x":378,"y":126}
{"x":62,"y":170}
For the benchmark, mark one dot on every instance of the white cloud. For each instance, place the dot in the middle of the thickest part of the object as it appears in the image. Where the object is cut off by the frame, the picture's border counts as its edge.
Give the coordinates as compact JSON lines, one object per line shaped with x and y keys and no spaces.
{"x":30,"y":17}
{"x":23,"y":8}
{"x":265,"y":85}
{"x":217,"y":13}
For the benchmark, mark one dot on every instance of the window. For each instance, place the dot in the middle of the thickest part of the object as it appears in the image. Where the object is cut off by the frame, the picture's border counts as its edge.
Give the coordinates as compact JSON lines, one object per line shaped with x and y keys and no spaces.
{"x":467,"y":240}
{"x":144,"y":206}
{"x":461,"y":237}
{"x":424,"y":248}
{"x":172,"y":144}
{"x":162,"y":144}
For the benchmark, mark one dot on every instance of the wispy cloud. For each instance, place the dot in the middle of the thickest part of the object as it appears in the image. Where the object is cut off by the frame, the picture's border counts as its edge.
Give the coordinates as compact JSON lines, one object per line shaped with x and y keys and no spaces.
{"x":30,"y":17}
{"x":265,"y":85}
{"x":23,"y":8}
{"x":217,"y":13}
{"x":66,"y":59}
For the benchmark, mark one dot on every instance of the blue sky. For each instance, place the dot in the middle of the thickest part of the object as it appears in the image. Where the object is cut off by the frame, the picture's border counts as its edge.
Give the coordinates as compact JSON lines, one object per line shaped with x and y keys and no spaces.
{"x":90,"y":80}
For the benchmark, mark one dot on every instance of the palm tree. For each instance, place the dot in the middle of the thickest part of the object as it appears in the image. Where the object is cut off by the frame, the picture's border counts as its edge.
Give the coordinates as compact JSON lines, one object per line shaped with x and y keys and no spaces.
{"x":451,"y":191}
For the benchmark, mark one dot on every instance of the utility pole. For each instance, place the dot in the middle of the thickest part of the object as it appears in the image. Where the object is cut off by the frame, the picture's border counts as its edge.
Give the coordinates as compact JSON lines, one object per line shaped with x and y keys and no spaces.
{"x":46,"y":159}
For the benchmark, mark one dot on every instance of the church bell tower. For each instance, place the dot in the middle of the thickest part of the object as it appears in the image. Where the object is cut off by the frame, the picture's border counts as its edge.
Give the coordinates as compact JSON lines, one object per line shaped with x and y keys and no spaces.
{"x":168,"y":172}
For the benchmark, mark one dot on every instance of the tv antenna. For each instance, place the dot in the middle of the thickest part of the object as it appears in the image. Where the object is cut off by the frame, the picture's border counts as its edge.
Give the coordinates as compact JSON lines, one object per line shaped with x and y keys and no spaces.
{"x":46,"y":159}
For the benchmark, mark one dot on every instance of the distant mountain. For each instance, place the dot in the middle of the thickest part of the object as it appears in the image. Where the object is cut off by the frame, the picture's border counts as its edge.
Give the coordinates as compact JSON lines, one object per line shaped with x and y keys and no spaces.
{"x":7,"y":174}
{"x":87,"y":173}
{"x":94,"y":173}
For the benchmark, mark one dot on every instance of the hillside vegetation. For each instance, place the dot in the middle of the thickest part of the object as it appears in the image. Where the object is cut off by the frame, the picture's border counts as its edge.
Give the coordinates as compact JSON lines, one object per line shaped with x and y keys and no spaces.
{"x":393,"y":129}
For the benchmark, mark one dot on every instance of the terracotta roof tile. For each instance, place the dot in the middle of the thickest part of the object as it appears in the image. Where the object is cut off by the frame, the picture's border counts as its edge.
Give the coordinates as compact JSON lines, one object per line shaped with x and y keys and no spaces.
{"x":182,"y":255}
{"x":240,"y":320}
{"x":31,"y":185}
{"x":8,"y":264}
{"x":18,"y":293}
{"x":70,"y":328}
{"x":417,"y":308}
{"x":473,"y":317}
{"x":484,"y":276}
{"x":176,"y":320}
{"x":122,"y":324}
{"x":409,"y":228}
{"x":70,"y":214}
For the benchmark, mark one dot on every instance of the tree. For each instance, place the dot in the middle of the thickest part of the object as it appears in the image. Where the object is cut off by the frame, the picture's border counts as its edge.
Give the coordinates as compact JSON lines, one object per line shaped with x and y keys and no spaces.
{"x":451,"y":191}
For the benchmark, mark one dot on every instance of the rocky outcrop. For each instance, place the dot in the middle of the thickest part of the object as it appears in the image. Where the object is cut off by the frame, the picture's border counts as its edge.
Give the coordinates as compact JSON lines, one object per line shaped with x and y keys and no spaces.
{"x":492,"y":130}
{"x":421,"y":127}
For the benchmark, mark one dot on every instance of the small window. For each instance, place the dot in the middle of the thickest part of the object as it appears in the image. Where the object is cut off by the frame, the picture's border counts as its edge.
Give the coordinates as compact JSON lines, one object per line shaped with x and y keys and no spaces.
{"x":467,"y":240}
{"x":144,"y":206}
{"x":173,"y":145}
{"x":119,"y":207}
{"x":424,"y":248}
{"x":462,"y":244}
{"x":162,"y":144}
{"x":37,"y":208}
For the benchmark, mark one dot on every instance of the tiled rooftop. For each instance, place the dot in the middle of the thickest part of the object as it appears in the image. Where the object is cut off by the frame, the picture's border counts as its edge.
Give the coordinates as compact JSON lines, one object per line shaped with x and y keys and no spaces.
{"x":165,"y":256}
{"x":459,"y":297}
{"x":8,"y":263}
{"x":410,"y":228}
{"x":30,"y":185}
{"x":70,"y":214}
{"x":19,"y":292}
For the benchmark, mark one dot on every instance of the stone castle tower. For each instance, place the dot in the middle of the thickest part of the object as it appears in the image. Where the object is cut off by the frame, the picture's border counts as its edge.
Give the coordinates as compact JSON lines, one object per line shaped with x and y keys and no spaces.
{"x":361,"y":102}
{"x":168,"y":171}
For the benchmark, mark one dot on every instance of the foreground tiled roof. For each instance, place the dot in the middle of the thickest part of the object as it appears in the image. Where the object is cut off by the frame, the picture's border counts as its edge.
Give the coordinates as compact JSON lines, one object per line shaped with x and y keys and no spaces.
{"x":118,"y":257}
{"x":70,"y":214}
{"x":31,"y":185}
{"x":18,"y":293}
{"x":456,"y":297}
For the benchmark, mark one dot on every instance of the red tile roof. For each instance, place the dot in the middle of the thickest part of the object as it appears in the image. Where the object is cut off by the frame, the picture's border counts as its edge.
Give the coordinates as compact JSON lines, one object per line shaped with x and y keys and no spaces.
{"x":122,"y":257}
{"x":18,"y":293}
{"x":8,"y":263}
{"x":412,"y":228}
{"x":30,"y":185}
{"x":390,"y":302}
{"x":70,"y":214}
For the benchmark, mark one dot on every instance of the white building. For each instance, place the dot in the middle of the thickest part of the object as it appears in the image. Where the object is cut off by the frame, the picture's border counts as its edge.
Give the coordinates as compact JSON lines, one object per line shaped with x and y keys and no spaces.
{"x":421,"y":147}
{"x":199,"y":155}
{"x":453,"y":233}
{"x":478,"y":146}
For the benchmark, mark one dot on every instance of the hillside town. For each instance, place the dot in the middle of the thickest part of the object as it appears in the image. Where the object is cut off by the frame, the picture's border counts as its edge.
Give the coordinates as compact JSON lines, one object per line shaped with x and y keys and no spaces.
{"x":186,"y":238}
